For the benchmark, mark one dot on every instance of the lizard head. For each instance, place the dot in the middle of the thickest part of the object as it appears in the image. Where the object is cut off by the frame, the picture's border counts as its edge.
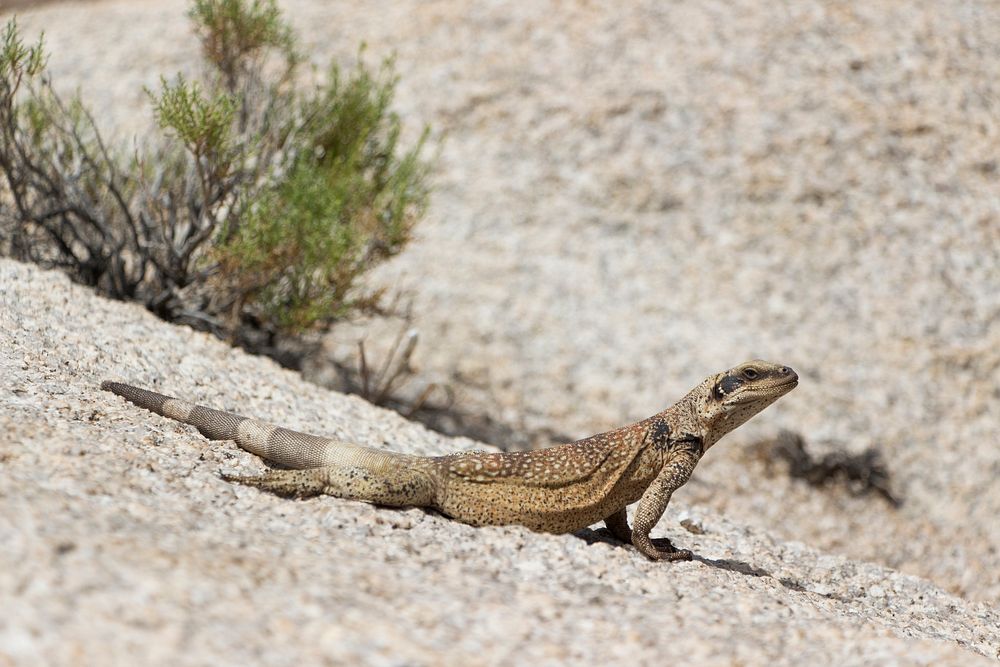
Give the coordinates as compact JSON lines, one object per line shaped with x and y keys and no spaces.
{"x":732,"y":397}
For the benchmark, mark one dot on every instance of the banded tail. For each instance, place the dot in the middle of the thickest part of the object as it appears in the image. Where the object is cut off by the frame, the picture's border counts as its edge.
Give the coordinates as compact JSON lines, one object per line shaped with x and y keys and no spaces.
{"x":318,"y":465}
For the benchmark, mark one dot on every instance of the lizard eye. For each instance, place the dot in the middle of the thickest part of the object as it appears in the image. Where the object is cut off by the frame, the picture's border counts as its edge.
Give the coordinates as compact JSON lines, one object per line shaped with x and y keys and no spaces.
{"x":750,"y":374}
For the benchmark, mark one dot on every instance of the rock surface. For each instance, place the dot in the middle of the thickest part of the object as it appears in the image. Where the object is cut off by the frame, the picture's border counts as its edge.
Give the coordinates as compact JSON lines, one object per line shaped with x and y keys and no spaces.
{"x":120,"y":545}
{"x":630,"y":198}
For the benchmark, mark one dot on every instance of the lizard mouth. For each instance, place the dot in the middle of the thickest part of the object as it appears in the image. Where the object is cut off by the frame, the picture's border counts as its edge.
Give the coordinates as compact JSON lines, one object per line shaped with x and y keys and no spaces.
{"x":786,"y":386}
{"x":788,"y":378}
{"x":785,"y":383}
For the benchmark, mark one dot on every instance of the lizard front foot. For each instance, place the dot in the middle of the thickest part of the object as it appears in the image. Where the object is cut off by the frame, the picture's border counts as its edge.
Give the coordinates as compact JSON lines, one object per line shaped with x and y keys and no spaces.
{"x":659,"y":549}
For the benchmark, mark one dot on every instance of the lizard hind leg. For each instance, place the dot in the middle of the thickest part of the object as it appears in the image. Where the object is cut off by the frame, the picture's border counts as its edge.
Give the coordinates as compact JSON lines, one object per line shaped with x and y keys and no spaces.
{"x":617,"y":525}
{"x":398,"y":487}
{"x":288,"y":483}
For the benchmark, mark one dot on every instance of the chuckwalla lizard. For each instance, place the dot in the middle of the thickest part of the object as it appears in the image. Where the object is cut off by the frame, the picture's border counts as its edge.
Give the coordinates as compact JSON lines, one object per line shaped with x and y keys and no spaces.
{"x":560,"y":489}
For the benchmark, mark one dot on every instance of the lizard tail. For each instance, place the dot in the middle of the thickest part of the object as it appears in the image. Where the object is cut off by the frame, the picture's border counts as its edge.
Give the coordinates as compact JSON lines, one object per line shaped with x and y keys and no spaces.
{"x":353,"y":471}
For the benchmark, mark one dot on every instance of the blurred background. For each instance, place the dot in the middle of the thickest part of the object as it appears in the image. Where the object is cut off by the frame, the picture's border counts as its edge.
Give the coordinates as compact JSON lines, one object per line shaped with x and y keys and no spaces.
{"x":627,"y":197}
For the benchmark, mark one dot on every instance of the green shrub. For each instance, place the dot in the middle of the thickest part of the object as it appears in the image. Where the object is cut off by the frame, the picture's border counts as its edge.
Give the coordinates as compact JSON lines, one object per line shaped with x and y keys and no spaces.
{"x":346,"y":203}
{"x":256,"y":214}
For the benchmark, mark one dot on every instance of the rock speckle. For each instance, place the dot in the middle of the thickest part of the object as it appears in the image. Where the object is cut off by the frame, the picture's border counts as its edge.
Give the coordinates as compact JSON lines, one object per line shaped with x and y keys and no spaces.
{"x":629,"y":198}
{"x":121,"y":545}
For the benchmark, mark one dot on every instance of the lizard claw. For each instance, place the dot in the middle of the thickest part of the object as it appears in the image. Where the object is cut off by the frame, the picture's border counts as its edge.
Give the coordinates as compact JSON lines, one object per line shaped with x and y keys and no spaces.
{"x":668,"y":551}
{"x":660,"y":548}
{"x":676,"y":554}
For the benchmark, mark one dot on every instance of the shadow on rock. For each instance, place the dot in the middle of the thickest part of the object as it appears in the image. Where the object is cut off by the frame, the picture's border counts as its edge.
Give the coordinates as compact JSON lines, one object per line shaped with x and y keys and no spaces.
{"x":604,"y":535}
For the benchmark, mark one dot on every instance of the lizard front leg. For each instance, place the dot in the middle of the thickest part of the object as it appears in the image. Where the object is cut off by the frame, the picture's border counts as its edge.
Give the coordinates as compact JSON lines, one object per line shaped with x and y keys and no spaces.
{"x":617,"y":525}
{"x":654,"y":501}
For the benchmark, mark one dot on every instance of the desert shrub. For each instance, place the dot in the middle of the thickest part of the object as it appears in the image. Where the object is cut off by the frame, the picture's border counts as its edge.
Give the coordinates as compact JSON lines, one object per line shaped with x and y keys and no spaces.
{"x":257,"y":212}
{"x":355,"y":179}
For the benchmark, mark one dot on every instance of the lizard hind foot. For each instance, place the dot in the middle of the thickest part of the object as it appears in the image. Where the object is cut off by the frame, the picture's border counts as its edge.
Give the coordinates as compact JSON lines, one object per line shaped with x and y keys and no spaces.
{"x":288,"y":483}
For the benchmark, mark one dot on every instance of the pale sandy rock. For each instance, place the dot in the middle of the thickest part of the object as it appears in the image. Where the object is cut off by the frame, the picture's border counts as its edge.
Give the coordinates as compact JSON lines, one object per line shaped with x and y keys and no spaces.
{"x":120,"y":545}
{"x":634,"y":195}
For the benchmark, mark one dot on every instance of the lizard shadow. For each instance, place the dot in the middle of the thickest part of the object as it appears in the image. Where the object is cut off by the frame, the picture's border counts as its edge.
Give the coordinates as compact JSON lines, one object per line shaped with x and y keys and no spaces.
{"x":603,"y":535}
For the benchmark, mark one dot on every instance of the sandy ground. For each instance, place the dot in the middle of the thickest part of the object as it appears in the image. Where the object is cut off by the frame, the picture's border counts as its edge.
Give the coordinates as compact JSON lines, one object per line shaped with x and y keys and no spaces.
{"x":120,"y":544}
{"x":630,"y":198}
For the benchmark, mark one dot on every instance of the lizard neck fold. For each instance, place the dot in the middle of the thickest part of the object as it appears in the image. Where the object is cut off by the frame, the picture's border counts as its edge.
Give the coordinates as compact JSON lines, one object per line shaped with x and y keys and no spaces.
{"x":684,"y":417}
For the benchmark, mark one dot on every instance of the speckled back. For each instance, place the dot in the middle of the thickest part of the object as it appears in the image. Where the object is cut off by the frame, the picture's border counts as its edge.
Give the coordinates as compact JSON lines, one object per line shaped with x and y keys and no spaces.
{"x":559,"y":489}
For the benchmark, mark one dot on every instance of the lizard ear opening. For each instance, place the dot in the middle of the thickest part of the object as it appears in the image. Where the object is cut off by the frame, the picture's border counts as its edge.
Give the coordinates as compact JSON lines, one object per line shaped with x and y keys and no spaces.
{"x":727,"y":385}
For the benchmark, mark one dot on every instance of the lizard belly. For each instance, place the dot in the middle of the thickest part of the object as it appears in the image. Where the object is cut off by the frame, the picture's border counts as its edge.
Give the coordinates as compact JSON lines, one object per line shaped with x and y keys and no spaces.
{"x":545,"y":509}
